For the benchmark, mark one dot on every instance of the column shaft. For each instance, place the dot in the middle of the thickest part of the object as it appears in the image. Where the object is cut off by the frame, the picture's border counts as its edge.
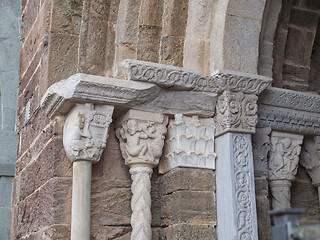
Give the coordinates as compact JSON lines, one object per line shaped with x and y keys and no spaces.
{"x":81,"y":194}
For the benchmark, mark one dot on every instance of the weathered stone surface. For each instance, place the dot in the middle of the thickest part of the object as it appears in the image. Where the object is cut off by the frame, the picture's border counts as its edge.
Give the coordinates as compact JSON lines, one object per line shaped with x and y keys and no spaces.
{"x":305,"y":19}
{"x":151,"y":12}
{"x":148,"y":43}
{"x":190,"y":232}
{"x":5,"y":189}
{"x":295,"y":51}
{"x":305,"y":195}
{"x":93,"y":37}
{"x":50,"y":205}
{"x":9,"y":25}
{"x":187,"y":179}
{"x":110,"y":232}
{"x":194,"y":207}
{"x":171,"y":51}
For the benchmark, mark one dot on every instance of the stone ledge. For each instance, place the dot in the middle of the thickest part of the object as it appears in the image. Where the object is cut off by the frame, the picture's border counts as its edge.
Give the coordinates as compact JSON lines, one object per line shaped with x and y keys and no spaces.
{"x":124,"y":95}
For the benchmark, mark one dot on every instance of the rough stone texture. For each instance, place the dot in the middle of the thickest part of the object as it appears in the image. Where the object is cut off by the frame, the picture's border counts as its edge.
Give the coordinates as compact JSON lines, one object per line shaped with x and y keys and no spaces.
{"x":304,"y":195}
{"x":190,"y":232}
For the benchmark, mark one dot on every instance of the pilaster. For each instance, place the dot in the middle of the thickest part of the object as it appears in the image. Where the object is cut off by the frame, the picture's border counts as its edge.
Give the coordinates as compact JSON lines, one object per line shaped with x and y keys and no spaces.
{"x":236,"y":119}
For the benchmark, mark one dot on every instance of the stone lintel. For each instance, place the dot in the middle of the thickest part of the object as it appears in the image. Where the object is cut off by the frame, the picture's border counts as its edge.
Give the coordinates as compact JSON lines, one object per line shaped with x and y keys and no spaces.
{"x":178,"y":78}
{"x":124,"y":95}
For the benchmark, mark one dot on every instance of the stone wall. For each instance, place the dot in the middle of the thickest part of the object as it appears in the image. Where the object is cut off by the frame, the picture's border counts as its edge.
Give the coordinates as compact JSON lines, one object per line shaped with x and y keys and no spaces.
{"x":60,"y":38}
{"x":9,"y":74}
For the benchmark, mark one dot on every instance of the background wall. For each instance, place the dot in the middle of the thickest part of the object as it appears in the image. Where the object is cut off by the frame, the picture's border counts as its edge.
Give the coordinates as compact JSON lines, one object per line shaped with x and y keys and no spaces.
{"x":9,"y":76}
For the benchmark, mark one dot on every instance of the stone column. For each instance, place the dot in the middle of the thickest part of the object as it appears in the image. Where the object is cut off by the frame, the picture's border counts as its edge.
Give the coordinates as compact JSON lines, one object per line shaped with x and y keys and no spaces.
{"x":141,"y":136}
{"x":310,"y":160}
{"x":236,"y":119}
{"x":85,"y":135}
{"x":283,"y":166}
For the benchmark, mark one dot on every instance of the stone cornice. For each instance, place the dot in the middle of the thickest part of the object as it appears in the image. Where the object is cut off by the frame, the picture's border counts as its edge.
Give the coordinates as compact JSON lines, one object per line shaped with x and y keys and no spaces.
{"x":289,"y":111}
{"x":124,"y":94}
{"x":290,"y":99}
{"x":179,"y":78}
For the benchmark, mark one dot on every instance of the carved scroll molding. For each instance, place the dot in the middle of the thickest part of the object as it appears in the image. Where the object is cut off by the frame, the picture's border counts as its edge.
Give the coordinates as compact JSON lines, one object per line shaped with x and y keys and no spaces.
{"x":179,"y":78}
{"x":283,"y":165}
{"x":245,"y":202}
{"x":236,"y":112}
{"x":141,"y":136}
{"x":189,"y":143}
{"x":310,"y":159}
{"x":289,"y":111}
{"x":85,"y":131}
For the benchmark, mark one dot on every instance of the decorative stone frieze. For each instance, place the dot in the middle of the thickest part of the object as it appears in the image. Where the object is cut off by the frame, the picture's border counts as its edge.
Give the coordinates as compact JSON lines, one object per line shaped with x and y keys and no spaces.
{"x":86,"y":131}
{"x":261,"y":145}
{"x":283,"y":165}
{"x":289,"y":111}
{"x":236,"y":112}
{"x":179,"y":78}
{"x":310,"y":159}
{"x":141,"y":136}
{"x":62,"y":96}
{"x":189,"y":143}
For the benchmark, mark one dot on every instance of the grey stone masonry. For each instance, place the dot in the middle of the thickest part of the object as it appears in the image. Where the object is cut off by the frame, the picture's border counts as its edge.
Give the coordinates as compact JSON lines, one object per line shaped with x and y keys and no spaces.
{"x":9,"y":75}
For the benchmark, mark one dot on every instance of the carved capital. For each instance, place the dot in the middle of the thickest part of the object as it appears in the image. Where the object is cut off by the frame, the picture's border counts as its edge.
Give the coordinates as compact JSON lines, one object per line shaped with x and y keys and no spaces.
{"x":284,"y":155}
{"x":189,"y":143}
{"x":236,"y":112}
{"x":85,"y":131}
{"x":141,"y":136}
{"x":310,"y":159}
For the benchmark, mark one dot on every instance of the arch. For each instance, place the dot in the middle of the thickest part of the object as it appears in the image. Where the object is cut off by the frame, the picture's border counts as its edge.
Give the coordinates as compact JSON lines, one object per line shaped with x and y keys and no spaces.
{"x":235,"y":35}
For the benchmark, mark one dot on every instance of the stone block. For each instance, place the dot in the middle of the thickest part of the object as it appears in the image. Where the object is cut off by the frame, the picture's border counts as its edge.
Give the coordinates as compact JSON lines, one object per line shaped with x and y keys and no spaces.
{"x":5,"y":217}
{"x":251,"y":9}
{"x":297,"y":71}
{"x":5,"y":190}
{"x":261,"y":186}
{"x":9,"y":49}
{"x":93,"y":37}
{"x":110,"y":232}
{"x":148,"y":43}
{"x":9,"y":83}
{"x":64,"y":56}
{"x":151,"y":13}
{"x":171,"y":51}
{"x":29,"y":16}
{"x":61,"y":232}
{"x":187,"y":179}
{"x":9,"y":25}
{"x":305,"y":19}
{"x":110,"y":203}
{"x":241,"y":41}
{"x":190,"y":232}
{"x":194,"y":207}
{"x":264,"y":224}
{"x":128,"y":24}
{"x":7,"y":169}
{"x":8,"y":146}
{"x":299,"y":46}
{"x":50,"y":205}
{"x":5,"y":3}
{"x":110,"y":50}
{"x":9,"y":119}
{"x":175,"y":14}
{"x":51,"y":162}
{"x":310,"y":4}
{"x":66,"y":16}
